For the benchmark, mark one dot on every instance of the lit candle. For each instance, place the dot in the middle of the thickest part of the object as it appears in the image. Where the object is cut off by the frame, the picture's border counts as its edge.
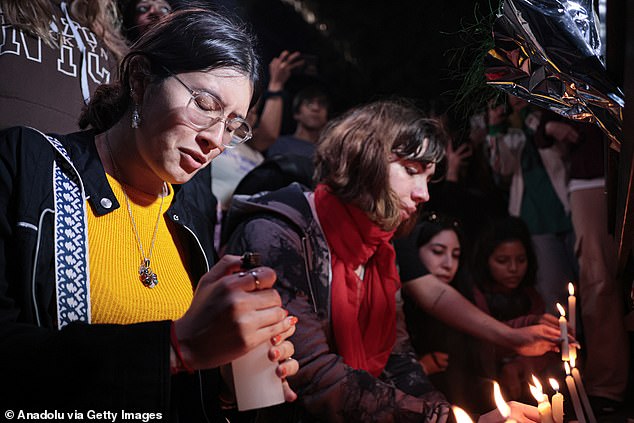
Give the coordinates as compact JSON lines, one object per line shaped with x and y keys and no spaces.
{"x":558,"y":402}
{"x":570,"y":383}
{"x":501,"y":404}
{"x":572,"y":308}
{"x":582,"y":392}
{"x":563,"y":328}
{"x":461,"y":415}
{"x":543,"y":405}
{"x":572,"y":313}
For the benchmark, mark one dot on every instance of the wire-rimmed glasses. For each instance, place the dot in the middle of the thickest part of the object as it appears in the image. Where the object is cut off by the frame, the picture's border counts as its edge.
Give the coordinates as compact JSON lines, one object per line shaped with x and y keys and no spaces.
{"x":205,"y":110}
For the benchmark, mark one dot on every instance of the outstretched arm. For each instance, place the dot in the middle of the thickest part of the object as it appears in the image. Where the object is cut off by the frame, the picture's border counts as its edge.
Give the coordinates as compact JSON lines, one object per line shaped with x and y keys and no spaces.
{"x":446,"y":304}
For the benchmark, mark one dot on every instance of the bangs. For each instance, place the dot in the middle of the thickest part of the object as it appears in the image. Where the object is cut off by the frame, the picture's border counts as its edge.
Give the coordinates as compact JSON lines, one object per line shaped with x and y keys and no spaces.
{"x":422,"y":142}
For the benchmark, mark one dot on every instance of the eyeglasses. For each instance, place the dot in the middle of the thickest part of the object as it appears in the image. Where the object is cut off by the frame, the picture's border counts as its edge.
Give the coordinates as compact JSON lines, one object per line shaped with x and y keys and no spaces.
{"x":204,"y":110}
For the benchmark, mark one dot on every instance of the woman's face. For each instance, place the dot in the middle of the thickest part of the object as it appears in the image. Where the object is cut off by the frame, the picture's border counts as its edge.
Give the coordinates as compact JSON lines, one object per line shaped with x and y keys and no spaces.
{"x":508,"y":264}
{"x":170,"y":146}
{"x":441,"y":255}
{"x":408,"y":180}
{"x":147,"y":12}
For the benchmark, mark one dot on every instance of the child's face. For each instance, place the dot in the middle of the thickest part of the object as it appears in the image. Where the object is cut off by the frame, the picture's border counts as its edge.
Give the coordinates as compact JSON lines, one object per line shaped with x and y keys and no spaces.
{"x":508,"y":264}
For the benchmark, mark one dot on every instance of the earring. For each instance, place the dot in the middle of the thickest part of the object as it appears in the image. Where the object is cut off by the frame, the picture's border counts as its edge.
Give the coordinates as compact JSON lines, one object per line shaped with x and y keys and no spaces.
{"x":136,"y":117}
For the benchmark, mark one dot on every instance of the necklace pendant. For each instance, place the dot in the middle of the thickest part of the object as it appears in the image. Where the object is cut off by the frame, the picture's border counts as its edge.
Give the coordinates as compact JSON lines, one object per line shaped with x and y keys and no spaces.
{"x":147,"y":277}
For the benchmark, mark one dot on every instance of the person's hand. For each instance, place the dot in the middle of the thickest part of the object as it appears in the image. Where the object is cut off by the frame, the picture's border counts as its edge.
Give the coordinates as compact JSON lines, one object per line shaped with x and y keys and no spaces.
{"x":562,"y":132}
{"x":282,"y":351}
{"x":548,"y":320}
{"x":231,"y":313}
{"x":456,"y":159}
{"x":281,"y":67}
{"x":434,"y":362}
{"x":535,"y":340}
{"x":520,"y":412}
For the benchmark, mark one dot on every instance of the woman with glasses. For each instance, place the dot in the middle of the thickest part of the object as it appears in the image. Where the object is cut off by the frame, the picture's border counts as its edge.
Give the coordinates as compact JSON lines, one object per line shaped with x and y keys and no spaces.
{"x":108,"y":300}
{"x":336,"y":267}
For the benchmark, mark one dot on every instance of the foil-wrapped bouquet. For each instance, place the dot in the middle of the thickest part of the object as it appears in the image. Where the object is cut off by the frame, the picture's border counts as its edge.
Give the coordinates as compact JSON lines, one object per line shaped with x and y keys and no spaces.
{"x":548,"y":52}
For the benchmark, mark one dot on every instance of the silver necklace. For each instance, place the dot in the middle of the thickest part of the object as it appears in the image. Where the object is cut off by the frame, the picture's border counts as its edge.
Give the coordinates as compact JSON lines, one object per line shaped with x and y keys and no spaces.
{"x":146,"y":275}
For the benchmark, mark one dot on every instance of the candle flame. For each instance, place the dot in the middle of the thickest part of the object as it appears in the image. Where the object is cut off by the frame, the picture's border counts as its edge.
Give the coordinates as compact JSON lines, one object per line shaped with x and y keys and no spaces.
{"x":537,"y":393}
{"x":562,"y":311}
{"x":572,"y":361}
{"x":502,"y":406}
{"x":537,"y":383}
{"x":554,"y":384}
{"x":567,"y":367}
{"x":461,"y":415}
{"x":571,"y":288}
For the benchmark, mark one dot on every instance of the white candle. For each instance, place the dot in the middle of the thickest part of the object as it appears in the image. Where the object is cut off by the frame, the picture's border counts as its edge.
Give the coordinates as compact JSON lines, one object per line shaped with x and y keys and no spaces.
{"x":572,"y":313}
{"x":543,"y":405}
{"x":582,"y":393}
{"x":563,"y":328}
{"x":572,"y":308}
{"x":570,"y":383}
{"x":557,"y":402}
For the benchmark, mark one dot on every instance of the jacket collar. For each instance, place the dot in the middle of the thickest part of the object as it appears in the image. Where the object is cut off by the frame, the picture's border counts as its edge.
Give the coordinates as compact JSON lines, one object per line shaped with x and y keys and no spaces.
{"x":83,"y":152}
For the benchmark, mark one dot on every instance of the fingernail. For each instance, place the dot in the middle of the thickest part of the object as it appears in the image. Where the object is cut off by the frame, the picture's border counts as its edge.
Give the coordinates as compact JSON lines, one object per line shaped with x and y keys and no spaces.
{"x":293,"y":320}
{"x":281,"y":372}
{"x":276,"y":355}
{"x":276,"y":339}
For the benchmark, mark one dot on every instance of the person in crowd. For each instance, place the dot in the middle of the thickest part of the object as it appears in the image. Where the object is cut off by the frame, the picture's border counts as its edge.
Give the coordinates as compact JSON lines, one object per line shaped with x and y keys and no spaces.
{"x":441,"y":319}
{"x":601,"y":301}
{"x":467,"y":189}
{"x":53,"y":56}
{"x":108,"y":300}
{"x":439,"y":348}
{"x":310,"y":112}
{"x":503,"y":276}
{"x":138,"y":16}
{"x":336,"y":267}
{"x":537,"y":193}
{"x":231,"y":166}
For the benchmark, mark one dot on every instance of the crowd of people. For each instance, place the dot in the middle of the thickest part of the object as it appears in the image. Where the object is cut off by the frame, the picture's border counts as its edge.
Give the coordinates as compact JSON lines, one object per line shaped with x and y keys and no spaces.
{"x":403,"y":266}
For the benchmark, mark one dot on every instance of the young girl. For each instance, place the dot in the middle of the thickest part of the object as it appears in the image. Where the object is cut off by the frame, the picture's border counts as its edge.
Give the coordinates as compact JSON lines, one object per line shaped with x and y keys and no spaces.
{"x":503,"y":273}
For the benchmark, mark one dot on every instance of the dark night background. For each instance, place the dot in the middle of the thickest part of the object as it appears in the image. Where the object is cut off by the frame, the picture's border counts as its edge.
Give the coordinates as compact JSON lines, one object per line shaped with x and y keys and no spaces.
{"x":368,"y":50}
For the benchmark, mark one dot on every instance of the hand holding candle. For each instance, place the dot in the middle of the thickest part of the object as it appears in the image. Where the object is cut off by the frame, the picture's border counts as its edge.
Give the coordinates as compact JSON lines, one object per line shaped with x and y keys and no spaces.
{"x":557,"y":402}
{"x":563,"y":328}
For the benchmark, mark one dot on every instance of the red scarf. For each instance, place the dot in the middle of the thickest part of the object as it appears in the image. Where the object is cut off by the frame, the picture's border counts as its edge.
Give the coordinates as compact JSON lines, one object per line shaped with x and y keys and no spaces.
{"x":363,"y":311}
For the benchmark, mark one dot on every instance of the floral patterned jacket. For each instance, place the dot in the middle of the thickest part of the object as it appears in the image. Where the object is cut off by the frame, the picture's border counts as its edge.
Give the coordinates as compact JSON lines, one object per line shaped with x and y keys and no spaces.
{"x":281,"y":227}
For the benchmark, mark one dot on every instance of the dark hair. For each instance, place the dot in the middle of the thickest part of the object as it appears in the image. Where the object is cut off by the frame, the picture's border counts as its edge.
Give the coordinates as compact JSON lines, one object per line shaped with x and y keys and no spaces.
{"x":184,"y":41}
{"x":352,"y":156}
{"x":309,"y":92}
{"x":432,"y":223}
{"x":498,"y":231}
{"x":128,"y":15}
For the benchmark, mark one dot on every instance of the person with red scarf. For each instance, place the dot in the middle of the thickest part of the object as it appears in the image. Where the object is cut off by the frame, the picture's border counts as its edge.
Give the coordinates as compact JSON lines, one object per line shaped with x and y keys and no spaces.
{"x":337,"y":270}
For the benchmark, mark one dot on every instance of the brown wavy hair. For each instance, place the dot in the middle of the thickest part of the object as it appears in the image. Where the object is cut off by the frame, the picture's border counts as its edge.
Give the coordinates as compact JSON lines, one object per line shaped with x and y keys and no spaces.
{"x":101,"y":16}
{"x":353,"y":151}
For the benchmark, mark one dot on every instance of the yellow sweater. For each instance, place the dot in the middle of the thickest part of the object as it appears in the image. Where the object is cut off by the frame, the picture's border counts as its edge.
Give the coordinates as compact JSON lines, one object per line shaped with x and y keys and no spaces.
{"x":116,"y":293}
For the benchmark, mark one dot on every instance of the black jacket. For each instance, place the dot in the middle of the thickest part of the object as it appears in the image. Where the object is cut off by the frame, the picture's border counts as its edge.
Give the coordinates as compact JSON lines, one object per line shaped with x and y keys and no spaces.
{"x":281,"y":227}
{"x":82,"y":367}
